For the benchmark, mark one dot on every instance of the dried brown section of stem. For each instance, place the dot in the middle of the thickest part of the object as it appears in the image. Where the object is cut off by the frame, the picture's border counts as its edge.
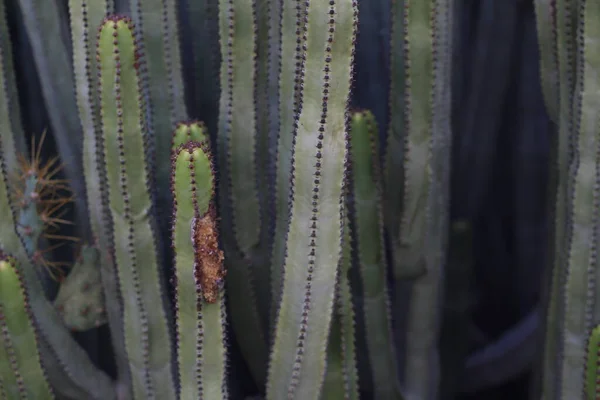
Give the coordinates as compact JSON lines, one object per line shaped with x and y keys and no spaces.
{"x":209,"y":270}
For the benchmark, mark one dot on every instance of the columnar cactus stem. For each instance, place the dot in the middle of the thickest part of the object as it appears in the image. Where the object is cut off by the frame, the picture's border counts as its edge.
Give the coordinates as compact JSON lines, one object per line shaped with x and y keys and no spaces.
{"x":581,"y":309}
{"x":341,"y":378}
{"x":80,"y":299}
{"x":85,"y":17}
{"x":237,"y":169}
{"x":13,"y":137}
{"x":200,"y":301}
{"x":426,"y":206}
{"x":158,"y":31}
{"x":545,"y":11}
{"x":371,"y":254}
{"x":395,"y":140}
{"x":291,"y":79}
{"x":237,"y":124}
{"x":189,"y":132}
{"x":313,"y":245}
{"x":21,"y":373}
{"x":129,"y":211}
{"x":418,"y":110}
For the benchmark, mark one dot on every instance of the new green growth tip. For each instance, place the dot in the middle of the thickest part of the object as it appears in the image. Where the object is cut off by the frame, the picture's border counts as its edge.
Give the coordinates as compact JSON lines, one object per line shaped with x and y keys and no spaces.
{"x":199,"y":275}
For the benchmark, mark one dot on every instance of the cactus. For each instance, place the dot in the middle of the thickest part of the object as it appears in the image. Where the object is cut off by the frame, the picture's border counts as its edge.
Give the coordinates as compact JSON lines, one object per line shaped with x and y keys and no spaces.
{"x":80,"y":299}
{"x":341,"y":378}
{"x":41,"y":199}
{"x":371,"y":253}
{"x":12,"y":135}
{"x":592,"y":364}
{"x":134,"y":243}
{"x":199,"y":276}
{"x":21,"y":372}
{"x":568,"y":34}
{"x":269,"y":233}
{"x":313,"y":247}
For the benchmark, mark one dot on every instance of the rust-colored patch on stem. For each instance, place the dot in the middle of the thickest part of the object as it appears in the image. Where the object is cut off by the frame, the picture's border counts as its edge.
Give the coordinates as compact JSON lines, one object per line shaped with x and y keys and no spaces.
{"x":209,"y":269}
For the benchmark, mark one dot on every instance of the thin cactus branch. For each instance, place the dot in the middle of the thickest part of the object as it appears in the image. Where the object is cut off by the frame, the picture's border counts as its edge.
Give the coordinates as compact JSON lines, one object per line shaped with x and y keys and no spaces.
{"x":134,"y":244}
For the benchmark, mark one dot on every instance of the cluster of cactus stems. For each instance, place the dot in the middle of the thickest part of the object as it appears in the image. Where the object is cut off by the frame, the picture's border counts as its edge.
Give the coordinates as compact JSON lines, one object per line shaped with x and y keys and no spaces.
{"x":273,"y":220}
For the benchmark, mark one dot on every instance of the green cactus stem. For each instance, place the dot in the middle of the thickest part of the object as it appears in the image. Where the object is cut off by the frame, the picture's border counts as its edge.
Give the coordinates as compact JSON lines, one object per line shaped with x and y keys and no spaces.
{"x":581,"y":308}
{"x":395,"y":140}
{"x":370,"y":251}
{"x":158,"y":36}
{"x":21,"y":373}
{"x":199,"y":277}
{"x":427,"y":160}
{"x":240,"y":220}
{"x":592,"y":365}
{"x":341,"y":378}
{"x":290,"y":79}
{"x":85,"y":17}
{"x":408,"y":248}
{"x":11,"y":131}
{"x":314,"y":241}
{"x":240,"y":141}
{"x":194,"y":131}
{"x":134,"y":243}
{"x":562,"y":181}
{"x":80,"y":299}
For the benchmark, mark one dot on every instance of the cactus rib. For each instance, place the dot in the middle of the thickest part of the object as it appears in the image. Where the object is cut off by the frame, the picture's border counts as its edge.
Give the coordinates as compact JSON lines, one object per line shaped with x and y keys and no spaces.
{"x":370,"y":252}
{"x":395,"y":142}
{"x":314,"y":244}
{"x":580,"y":284}
{"x":158,"y":37}
{"x":200,"y":303}
{"x":130,"y":210}
{"x":431,"y":53}
{"x":290,"y":80}
{"x":19,"y":336}
{"x":247,"y":321}
{"x":341,"y":379}
{"x":85,"y":17}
